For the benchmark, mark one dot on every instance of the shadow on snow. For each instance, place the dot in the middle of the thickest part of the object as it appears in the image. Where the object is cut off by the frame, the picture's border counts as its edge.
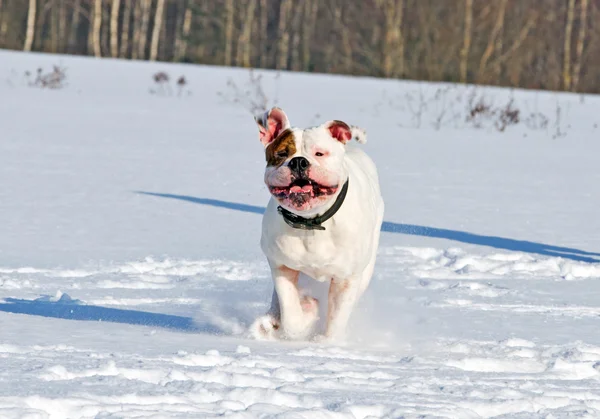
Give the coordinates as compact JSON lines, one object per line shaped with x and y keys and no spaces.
{"x":69,"y":309}
{"x":417,"y":230}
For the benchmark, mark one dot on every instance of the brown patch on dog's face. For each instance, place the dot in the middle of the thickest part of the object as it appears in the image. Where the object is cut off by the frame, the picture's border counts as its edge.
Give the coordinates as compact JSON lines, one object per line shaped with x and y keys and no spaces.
{"x":283,"y":147}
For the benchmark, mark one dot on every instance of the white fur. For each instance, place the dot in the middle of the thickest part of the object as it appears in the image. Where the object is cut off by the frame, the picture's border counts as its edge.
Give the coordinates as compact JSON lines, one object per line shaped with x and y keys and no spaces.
{"x":343,"y":254}
{"x":359,"y":134}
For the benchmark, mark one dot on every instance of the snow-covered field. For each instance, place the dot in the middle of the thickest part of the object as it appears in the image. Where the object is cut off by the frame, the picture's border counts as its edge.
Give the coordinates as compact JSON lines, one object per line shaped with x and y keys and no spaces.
{"x":130,"y":267}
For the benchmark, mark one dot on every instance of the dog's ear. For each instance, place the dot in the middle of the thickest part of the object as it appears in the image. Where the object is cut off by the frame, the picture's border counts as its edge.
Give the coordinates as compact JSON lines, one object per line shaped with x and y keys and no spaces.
{"x":343,"y":132}
{"x":271,"y":124}
{"x":339,"y":130}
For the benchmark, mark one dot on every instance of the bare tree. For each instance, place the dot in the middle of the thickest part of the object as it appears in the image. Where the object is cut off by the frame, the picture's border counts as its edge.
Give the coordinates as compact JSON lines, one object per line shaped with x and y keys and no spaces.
{"x":500,"y":42}
{"x":229,"y":20}
{"x":264,"y":34}
{"x":393,"y":40}
{"x":523,"y":33}
{"x":311,"y":8}
{"x":137,"y":23}
{"x":3,"y":23}
{"x":339,"y":55}
{"x":464,"y":52}
{"x":141,"y":30}
{"x":158,"y":20}
{"x":62,"y":25}
{"x":96,"y":26}
{"x":580,"y":44}
{"x":181,"y":42}
{"x":41,"y":42}
{"x":2,"y":33}
{"x":187,"y":27}
{"x":284,"y":35}
{"x":245,"y":38}
{"x":105,"y":31}
{"x":494,"y":42}
{"x":30,"y":34}
{"x":114,"y":28}
{"x":567,"y":50}
{"x":54,"y":28}
{"x":435,"y":47}
{"x":72,"y":43}
{"x":295,"y":63}
{"x":125,"y":29}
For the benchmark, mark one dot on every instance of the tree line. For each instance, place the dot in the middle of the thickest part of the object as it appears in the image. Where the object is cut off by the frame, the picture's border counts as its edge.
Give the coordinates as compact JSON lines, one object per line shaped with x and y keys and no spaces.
{"x":542,"y":44}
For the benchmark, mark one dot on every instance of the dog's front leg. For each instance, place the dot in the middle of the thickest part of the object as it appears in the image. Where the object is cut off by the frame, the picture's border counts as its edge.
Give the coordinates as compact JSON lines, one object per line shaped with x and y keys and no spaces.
{"x":298,"y":313}
{"x":342,"y":298}
{"x":269,"y":325}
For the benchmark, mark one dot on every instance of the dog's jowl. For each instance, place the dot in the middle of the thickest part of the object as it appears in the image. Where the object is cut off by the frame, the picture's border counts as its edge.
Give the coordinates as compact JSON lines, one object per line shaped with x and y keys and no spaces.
{"x":323,"y":220}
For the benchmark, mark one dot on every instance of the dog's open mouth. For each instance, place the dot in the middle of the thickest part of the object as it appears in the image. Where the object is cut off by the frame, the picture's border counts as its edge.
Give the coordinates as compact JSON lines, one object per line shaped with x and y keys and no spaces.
{"x":302,"y":190}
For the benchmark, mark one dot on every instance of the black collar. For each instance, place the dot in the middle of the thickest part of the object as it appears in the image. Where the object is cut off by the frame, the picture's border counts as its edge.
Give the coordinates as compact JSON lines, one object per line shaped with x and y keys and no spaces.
{"x":296,"y":221}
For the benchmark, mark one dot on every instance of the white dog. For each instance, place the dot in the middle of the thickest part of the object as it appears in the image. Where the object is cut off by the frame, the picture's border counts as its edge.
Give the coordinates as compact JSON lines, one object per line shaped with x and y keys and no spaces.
{"x":323,"y":219}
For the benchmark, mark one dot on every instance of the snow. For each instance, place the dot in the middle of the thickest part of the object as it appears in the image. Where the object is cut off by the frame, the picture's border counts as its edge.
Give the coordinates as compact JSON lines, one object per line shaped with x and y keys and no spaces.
{"x":130,"y":268}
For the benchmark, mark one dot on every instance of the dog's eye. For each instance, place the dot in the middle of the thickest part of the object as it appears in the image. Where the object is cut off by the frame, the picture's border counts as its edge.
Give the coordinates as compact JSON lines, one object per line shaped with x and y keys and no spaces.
{"x":319,"y":154}
{"x":282,"y":154}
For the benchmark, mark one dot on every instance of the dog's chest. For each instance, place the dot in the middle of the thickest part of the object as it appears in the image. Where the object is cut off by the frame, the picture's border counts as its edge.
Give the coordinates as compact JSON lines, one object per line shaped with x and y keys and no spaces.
{"x":317,"y":254}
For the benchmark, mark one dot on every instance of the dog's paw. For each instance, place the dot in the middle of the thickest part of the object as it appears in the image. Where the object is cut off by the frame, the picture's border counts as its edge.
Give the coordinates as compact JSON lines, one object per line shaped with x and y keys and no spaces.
{"x":266,"y":327}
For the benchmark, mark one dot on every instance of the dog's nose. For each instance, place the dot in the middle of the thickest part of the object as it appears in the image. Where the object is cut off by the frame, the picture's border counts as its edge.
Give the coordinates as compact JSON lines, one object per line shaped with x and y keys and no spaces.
{"x":298,"y":164}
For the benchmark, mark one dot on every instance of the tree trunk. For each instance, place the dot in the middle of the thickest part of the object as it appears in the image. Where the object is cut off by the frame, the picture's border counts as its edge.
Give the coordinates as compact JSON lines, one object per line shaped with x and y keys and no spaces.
{"x":2,"y":20}
{"x":158,"y":23}
{"x":567,"y":48}
{"x":464,"y":52}
{"x":54,"y":28}
{"x":177,"y":34}
{"x":105,"y":32}
{"x":580,"y":44}
{"x":494,"y":42}
{"x":393,"y":40}
{"x":245,"y":39}
{"x":30,"y":34}
{"x":498,"y":48}
{"x":295,"y":62}
{"x":340,"y":55}
{"x":229,"y":11}
{"x":183,"y":42}
{"x":114,"y":28}
{"x":41,"y":16}
{"x":125,"y":29}
{"x":400,"y":37}
{"x":241,"y":29}
{"x":74,"y":26}
{"x":162,"y":40}
{"x":284,"y":36}
{"x":97,"y":24}
{"x":90,"y":27}
{"x":62,"y":26}
{"x":137,"y":20}
{"x":311,"y":8}
{"x":142,"y":33}
{"x":264,"y":33}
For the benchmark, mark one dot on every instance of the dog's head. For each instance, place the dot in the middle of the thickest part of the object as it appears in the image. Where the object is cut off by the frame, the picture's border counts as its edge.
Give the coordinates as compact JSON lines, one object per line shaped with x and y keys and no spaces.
{"x":305,"y":167}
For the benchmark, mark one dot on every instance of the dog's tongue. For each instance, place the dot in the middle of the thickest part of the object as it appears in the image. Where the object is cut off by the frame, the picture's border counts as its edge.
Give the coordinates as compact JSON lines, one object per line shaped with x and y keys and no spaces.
{"x":301,"y":189}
